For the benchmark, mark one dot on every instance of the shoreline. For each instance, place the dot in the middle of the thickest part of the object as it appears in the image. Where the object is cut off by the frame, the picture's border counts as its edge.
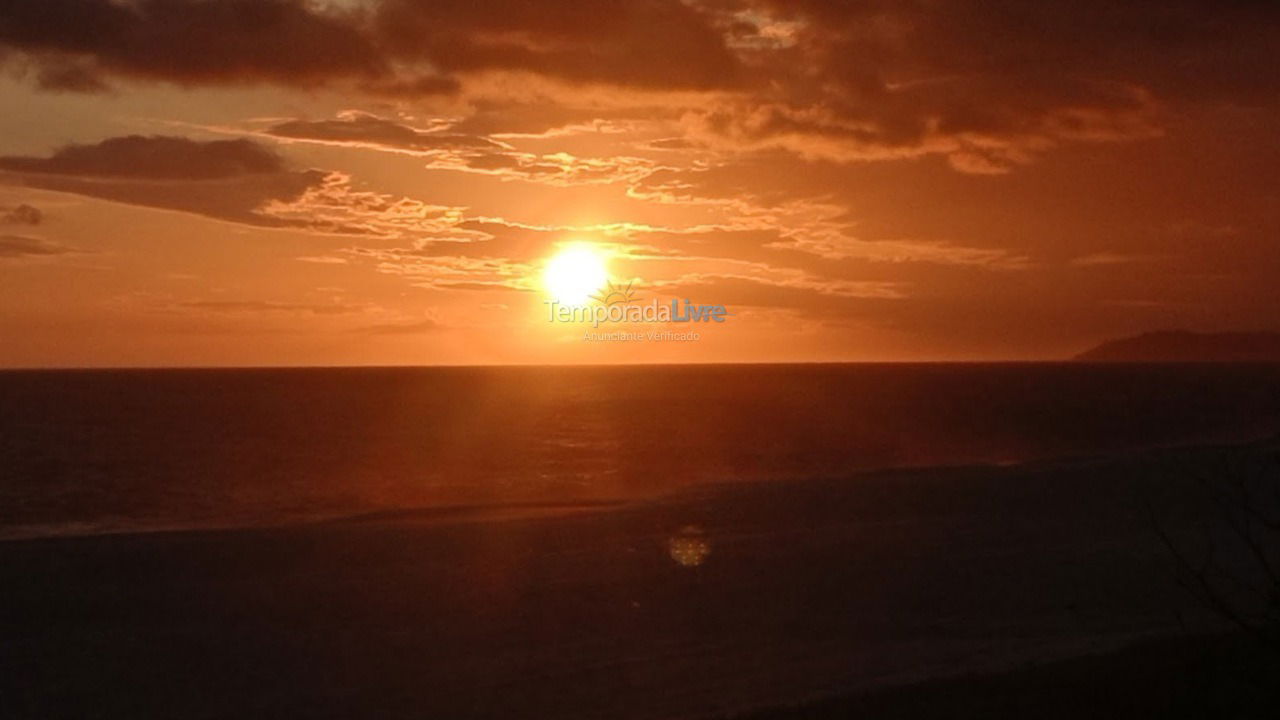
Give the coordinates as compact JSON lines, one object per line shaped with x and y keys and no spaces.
{"x":519,"y":509}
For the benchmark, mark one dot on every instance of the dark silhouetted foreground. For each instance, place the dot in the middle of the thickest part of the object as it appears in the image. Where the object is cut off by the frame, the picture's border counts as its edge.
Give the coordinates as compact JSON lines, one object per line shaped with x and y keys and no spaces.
{"x":713,"y":602}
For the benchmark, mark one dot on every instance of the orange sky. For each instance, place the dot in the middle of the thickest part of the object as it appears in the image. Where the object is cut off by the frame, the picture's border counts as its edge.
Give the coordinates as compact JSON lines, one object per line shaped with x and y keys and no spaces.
{"x":280,"y":182}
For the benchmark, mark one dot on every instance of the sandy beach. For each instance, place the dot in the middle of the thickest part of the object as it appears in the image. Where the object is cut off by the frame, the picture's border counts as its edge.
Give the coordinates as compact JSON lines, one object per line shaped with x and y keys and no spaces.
{"x":717,"y":601}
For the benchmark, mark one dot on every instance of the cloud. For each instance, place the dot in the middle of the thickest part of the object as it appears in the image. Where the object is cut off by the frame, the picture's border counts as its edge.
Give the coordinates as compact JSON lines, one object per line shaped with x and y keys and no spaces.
{"x":21,"y":215}
{"x":233,"y":180}
{"x":678,"y":144}
{"x":981,"y":125}
{"x":62,"y":74}
{"x":18,"y":247}
{"x":462,"y":152}
{"x":559,"y":169}
{"x":153,"y":158}
{"x":224,"y":179}
{"x":412,"y":87}
{"x":332,"y":205}
{"x":989,"y":85}
{"x":771,"y":217}
{"x":77,"y":43}
{"x":551,"y":111}
{"x":786,"y":259}
{"x":658,"y":43}
{"x":395,"y":47}
{"x":411,"y":327}
{"x":239,"y":199}
{"x":370,"y":131}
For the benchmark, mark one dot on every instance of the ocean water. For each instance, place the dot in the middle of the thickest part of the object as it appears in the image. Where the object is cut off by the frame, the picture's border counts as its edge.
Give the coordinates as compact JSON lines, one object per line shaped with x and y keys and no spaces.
{"x":92,"y":451}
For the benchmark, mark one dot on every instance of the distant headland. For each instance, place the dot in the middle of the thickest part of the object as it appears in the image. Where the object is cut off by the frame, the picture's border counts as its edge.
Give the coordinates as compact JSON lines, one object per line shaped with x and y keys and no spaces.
{"x":1186,"y":346}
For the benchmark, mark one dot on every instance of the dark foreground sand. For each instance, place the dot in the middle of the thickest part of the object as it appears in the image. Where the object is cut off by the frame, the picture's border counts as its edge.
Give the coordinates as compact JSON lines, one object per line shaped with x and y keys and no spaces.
{"x":1213,"y":676}
{"x":869,"y":590}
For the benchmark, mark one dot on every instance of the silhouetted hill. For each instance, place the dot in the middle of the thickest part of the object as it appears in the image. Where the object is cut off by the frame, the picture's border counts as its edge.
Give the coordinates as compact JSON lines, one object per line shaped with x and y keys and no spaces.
{"x":1184,"y":346}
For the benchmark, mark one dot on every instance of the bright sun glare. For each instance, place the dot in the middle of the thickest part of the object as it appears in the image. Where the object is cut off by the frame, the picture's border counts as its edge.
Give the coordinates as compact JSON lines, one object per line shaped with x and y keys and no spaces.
{"x":575,"y":274}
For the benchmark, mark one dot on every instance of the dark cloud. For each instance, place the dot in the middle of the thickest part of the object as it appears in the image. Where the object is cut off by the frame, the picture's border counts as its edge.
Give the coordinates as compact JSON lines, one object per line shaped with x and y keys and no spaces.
{"x":191,"y":41}
{"x":651,"y":43}
{"x":21,"y":215}
{"x":239,"y":199}
{"x":1175,"y":48}
{"x":63,"y":74}
{"x":413,"y":86}
{"x":680,"y":144}
{"x":233,"y":180}
{"x":371,"y":131}
{"x":155,"y":158}
{"x":225,"y":179}
{"x":18,"y":246}
{"x":807,"y":51}
{"x":658,"y":43}
{"x":989,"y":84}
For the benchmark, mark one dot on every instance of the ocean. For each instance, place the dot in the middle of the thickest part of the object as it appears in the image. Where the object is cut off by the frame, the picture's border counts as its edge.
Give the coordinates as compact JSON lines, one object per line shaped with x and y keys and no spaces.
{"x":91,"y":451}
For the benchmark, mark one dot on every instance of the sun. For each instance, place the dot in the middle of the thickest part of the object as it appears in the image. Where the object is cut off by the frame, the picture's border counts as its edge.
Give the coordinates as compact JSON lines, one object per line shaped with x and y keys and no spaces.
{"x":575,"y":274}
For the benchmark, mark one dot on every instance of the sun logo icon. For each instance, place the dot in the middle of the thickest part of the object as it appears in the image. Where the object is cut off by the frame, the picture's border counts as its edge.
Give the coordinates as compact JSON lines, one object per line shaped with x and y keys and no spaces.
{"x":615,"y":294}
